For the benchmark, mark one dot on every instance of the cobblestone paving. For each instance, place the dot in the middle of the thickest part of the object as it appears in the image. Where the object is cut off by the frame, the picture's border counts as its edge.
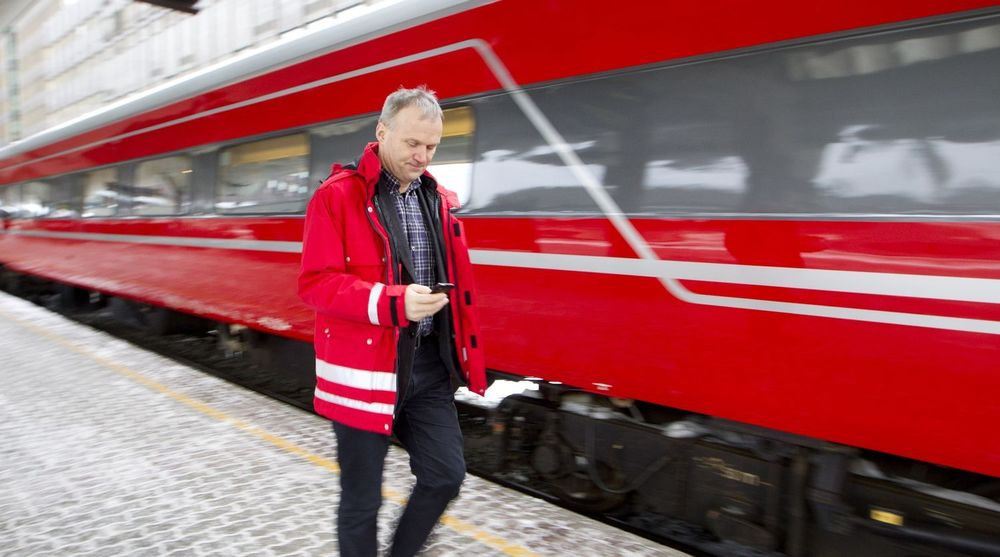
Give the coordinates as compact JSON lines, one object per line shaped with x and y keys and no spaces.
{"x":108,"y":450}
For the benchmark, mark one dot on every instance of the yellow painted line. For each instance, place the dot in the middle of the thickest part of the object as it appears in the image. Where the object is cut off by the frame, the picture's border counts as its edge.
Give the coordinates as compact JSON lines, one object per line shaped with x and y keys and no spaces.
{"x":456,"y":524}
{"x":485,"y":538}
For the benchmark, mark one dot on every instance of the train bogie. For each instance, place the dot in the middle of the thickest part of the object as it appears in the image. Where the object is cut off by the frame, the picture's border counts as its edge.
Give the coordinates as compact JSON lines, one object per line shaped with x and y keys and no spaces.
{"x":762,"y":490}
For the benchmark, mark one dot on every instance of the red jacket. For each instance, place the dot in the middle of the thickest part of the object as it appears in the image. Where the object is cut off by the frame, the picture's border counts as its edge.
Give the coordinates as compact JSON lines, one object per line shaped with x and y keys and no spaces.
{"x":358,"y":298}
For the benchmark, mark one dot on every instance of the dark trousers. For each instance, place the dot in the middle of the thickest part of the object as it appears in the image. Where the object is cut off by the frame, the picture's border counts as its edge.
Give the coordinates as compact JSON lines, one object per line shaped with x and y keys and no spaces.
{"x":427,"y":427}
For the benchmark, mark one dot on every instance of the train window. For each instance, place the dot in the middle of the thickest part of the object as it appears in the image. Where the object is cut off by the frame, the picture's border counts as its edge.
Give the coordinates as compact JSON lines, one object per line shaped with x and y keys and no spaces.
{"x":656,"y":142}
{"x":452,"y":164}
{"x":45,"y":199}
{"x":341,"y":142}
{"x":517,"y":171}
{"x":268,"y":176}
{"x":35,"y":198}
{"x":161,"y":187}
{"x":101,"y":196}
{"x":10,"y":200}
{"x":895,"y":123}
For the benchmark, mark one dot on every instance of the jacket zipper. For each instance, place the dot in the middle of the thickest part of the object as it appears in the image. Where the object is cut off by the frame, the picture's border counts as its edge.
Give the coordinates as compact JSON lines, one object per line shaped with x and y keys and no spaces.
{"x":387,"y":247}
{"x":385,"y":239}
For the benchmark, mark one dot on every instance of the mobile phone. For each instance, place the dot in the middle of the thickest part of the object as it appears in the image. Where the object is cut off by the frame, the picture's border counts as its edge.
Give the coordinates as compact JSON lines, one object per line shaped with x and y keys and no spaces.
{"x":442,"y":287}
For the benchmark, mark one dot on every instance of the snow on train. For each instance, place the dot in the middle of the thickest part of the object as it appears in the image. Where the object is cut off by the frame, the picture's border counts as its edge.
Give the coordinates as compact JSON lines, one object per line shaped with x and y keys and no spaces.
{"x":751,"y":249}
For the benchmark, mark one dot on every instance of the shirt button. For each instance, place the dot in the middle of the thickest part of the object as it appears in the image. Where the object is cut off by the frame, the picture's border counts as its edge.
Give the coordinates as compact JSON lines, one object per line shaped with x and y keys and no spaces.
{"x":414,"y":248}
{"x":370,"y":209}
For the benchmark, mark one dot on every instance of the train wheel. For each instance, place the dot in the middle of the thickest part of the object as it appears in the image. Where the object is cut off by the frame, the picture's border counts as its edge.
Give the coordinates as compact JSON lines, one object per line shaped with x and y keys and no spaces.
{"x":9,"y":281}
{"x":233,"y":340}
{"x":161,"y":321}
{"x":70,"y":298}
{"x":579,"y":491}
{"x":990,"y":490}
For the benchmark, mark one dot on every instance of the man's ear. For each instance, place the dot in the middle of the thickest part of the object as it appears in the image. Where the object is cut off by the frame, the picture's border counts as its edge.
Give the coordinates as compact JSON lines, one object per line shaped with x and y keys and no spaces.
{"x":380,"y":131}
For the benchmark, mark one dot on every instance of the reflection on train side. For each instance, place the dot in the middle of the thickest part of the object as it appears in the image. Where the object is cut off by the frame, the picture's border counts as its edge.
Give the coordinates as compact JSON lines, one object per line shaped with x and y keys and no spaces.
{"x":903,"y":122}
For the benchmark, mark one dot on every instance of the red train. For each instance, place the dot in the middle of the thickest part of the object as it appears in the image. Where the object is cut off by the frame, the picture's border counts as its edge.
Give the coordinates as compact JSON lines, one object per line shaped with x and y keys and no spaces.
{"x":752,"y":249}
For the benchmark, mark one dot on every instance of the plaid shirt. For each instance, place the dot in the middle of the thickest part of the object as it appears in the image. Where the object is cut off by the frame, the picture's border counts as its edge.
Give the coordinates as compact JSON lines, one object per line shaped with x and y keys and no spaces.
{"x":408,"y":209}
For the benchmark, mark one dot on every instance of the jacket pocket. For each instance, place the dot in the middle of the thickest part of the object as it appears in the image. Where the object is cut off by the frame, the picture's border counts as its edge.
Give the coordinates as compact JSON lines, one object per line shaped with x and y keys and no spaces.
{"x":355,"y":363}
{"x":366,"y":262}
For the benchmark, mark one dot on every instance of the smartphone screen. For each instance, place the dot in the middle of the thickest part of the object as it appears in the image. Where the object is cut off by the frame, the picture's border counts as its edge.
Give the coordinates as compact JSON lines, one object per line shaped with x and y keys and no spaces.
{"x":442,"y":287}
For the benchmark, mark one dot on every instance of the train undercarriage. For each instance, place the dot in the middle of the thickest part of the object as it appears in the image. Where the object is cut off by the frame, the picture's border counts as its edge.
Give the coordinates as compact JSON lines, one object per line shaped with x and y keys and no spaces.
{"x":745,"y":490}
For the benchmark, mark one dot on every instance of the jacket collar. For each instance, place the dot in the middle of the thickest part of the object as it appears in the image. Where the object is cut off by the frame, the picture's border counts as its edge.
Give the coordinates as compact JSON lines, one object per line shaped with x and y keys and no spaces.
{"x":370,"y":168}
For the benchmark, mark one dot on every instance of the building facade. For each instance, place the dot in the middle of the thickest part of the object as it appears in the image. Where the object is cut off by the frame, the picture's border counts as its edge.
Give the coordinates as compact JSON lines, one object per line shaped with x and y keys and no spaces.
{"x":61,"y":59}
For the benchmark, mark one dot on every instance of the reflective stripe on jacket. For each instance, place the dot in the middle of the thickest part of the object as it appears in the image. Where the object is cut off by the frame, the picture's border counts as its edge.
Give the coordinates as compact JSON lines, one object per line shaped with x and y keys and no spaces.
{"x":347,"y":278}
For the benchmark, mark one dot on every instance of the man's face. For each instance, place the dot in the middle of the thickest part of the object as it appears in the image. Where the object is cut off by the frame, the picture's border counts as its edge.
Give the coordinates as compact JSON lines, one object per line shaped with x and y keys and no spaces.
{"x":407,"y":145}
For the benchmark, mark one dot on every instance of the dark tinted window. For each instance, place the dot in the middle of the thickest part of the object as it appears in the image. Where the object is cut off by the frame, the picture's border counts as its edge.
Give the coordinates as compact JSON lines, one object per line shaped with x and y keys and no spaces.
{"x":49,"y":199}
{"x":101,"y":193}
{"x":10,"y":199}
{"x":267,"y":176}
{"x":161,"y":187}
{"x":904,"y":122}
{"x":516,"y":170}
{"x":36,"y":199}
{"x":343,"y":142}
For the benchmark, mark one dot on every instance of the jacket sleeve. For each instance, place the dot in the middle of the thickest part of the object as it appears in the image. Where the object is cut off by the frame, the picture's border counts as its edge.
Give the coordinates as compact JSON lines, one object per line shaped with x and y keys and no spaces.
{"x":324,"y":283}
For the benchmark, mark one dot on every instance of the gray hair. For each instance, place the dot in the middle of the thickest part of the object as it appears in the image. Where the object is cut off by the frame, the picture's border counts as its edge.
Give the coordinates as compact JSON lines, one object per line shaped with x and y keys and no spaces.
{"x":420,"y":97}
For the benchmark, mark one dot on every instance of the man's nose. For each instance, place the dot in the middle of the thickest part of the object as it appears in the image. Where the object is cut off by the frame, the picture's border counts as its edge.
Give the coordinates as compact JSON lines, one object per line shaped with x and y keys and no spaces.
{"x":421,"y":155}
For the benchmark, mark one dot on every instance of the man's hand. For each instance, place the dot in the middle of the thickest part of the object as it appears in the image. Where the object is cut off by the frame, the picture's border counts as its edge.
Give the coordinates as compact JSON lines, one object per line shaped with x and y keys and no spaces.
{"x":420,"y":303}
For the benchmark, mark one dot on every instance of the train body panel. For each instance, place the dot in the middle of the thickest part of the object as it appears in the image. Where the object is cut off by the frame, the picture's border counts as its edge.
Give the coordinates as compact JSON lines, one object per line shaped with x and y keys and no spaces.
{"x":854,"y":377}
{"x":239,"y":271}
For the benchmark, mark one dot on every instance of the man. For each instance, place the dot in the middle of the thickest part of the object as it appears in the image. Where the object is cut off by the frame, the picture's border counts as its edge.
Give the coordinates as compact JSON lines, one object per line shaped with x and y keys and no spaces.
{"x":378,"y":234}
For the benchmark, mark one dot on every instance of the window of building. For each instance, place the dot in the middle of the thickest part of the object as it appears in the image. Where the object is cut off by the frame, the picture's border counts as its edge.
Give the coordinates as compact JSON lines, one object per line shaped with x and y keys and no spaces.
{"x":268,"y":176}
{"x":162,"y":187}
{"x":101,"y":197}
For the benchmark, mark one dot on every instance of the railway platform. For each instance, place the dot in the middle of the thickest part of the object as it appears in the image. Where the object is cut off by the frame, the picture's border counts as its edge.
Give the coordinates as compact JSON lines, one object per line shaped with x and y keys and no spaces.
{"x":110,"y":450}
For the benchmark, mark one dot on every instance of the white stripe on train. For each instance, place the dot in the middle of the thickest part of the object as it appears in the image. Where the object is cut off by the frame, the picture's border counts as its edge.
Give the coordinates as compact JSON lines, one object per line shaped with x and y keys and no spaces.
{"x":856,"y":282}
{"x":958,"y":289}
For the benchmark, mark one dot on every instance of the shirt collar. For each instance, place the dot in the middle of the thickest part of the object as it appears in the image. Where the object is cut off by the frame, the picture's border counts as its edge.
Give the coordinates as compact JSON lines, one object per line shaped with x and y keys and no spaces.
{"x":393,"y":183}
